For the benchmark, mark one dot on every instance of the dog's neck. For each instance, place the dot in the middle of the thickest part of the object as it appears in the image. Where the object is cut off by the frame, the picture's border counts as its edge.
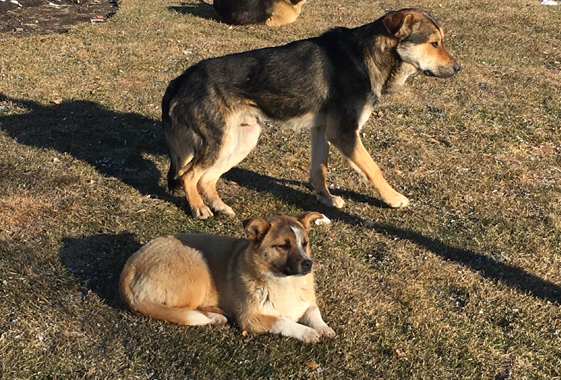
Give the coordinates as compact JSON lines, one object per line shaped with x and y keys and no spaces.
{"x":398,"y":77}
{"x":387,"y":72}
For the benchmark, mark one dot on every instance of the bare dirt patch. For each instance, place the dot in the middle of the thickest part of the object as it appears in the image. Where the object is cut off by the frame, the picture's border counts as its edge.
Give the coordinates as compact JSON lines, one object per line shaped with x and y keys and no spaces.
{"x":26,"y":17}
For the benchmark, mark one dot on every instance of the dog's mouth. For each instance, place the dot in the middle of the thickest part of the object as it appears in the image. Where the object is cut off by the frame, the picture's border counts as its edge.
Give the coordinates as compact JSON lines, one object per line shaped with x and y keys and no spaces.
{"x":443,"y":72}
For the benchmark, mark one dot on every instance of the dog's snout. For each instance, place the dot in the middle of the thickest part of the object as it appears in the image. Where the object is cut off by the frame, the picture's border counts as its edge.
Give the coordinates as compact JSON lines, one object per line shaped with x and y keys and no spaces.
{"x":457,"y":67}
{"x":306,"y":266}
{"x":298,"y":265}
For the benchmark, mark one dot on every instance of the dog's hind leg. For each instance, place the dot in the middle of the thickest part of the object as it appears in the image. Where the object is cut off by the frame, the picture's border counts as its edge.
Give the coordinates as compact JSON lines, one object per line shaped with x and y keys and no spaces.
{"x":214,"y":313}
{"x":180,"y":315}
{"x":242,"y":130}
{"x":190,"y":178}
{"x":350,"y":145}
{"x":318,"y":170}
{"x":207,"y":188}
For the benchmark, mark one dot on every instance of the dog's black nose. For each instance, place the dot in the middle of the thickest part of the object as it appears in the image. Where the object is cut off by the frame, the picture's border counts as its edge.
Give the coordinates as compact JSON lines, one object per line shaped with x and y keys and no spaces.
{"x":306,"y":266}
{"x":457,"y":67}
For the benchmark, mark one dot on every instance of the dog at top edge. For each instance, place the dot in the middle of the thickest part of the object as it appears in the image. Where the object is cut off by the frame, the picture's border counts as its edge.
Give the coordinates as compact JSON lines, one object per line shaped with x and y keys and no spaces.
{"x":264,"y":283}
{"x":213,"y":113}
{"x":268,"y":12}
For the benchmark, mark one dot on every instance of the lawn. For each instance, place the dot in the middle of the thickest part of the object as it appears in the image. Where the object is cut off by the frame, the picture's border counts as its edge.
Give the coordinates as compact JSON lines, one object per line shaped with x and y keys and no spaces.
{"x":465,"y":283}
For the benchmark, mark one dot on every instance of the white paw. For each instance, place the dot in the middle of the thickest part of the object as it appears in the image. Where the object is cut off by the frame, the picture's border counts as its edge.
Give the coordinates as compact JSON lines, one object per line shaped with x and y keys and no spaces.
{"x":217,"y":319}
{"x":310,"y":335}
{"x":224,"y":209}
{"x":326,"y":331}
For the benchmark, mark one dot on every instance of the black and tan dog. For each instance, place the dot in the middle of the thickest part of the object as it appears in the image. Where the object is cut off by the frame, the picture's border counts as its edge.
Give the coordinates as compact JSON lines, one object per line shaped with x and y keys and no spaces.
{"x":269,"y":12}
{"x":213,"y":113}
{"x":265,"y":283}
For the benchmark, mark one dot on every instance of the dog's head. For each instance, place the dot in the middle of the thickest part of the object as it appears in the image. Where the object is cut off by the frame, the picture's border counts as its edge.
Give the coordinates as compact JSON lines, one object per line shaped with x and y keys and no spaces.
{"x":420,"y":42}
{"x":280,"y":244}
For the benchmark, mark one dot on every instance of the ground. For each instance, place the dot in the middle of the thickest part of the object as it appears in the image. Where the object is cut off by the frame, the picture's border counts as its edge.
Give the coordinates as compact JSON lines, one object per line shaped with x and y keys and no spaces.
{"x":465,"y":283}
{"x":25,"y":17}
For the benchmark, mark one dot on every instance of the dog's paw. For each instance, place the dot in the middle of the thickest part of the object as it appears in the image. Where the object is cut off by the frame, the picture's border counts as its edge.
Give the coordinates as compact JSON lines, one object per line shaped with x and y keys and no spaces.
{"x":332,"y":201}
{"x":224,"y":209}
{"x":396,"y":200}
{"x":310,"y":335}
{"x":202,"y":212}
{"x":326,"y":331}
{"x":217,"y":319}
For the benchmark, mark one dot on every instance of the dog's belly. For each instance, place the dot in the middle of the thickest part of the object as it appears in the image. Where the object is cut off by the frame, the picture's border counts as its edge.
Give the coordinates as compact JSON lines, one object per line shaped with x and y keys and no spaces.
{"x":242,"y":134}
{"x":286,"y":297}
{"x":306,"y":121}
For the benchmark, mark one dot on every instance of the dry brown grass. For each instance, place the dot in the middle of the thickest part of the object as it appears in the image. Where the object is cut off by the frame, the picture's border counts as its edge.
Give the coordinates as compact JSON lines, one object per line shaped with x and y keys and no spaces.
{"x":465,"y":283}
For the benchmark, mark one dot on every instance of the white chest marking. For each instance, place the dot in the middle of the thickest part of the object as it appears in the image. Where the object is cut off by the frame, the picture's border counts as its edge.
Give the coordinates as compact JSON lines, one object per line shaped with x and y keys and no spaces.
{"x":285,"y":297}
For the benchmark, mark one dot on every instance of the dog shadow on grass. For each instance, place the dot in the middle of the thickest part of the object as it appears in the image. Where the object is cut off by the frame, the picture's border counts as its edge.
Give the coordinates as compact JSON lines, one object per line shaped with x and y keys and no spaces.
{"x":116,"y":144}
{"x":486,"y":266}
{"x":199,"y":9}
{"x":97,"y":261}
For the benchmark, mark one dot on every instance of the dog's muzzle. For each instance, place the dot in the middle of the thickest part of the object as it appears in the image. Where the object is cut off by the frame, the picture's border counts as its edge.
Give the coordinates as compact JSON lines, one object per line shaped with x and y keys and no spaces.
{"x":444,"y":72}
{"x":299,"y":267}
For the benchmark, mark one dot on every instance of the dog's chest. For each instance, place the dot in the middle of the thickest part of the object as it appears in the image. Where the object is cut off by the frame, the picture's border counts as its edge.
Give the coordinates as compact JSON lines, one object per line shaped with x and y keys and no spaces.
{"x":286,"y":297}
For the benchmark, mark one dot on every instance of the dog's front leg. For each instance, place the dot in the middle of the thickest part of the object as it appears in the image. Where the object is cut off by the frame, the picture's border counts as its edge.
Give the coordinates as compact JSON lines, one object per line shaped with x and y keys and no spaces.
{"x":318,"y":170}
{"x":281,"y":325}
{"x":350,"y":145}
{"x":312,"y":317}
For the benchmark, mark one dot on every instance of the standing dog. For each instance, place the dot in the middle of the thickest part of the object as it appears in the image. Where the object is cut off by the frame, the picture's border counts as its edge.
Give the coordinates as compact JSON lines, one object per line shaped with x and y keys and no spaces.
{"x":269,"y":12}
{"x":264,"y":282}
{"x":213,"y":113}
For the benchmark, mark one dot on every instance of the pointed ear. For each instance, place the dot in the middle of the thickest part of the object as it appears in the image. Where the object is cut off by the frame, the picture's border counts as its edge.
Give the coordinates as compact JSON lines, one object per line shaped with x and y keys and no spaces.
{"x":256,"y":229}
{"x":308,"y":218}
{"x":399,"y":24}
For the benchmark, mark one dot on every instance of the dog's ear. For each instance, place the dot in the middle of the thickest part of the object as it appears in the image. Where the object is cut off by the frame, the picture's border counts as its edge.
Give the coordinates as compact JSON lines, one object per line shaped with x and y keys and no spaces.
{"x":399,"y":24}
{"x":308,"y":218}
{"x":256,"y":229}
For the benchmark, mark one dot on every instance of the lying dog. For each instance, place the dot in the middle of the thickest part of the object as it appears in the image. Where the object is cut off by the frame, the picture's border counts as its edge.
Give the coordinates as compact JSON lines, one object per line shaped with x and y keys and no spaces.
{"x":264,"y":282}
{"x":213,"y":113}
{"x":269,"y":12}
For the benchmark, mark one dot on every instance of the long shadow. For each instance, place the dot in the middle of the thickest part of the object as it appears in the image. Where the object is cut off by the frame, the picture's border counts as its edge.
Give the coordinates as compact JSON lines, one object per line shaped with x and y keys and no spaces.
{"x":280,"y":189}
{"x":199,"y":9}
{"x":112,"y":142}
{"x":486,"y":266}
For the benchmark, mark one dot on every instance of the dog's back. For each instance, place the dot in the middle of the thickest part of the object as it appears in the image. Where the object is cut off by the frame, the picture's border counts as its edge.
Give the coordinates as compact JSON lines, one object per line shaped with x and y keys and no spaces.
{"x":270,"y":12}
{"x":242,"y":12}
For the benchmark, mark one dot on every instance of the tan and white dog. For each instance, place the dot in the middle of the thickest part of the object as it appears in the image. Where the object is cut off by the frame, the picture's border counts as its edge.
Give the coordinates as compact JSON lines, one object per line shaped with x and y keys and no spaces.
{"x":264,"y":283}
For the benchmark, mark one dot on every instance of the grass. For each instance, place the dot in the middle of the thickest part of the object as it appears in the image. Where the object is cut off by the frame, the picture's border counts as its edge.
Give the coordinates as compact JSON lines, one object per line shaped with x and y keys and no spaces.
{"x":465,"y":283}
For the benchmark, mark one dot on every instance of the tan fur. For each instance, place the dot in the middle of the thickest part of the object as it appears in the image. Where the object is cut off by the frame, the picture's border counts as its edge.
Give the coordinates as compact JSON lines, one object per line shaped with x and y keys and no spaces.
{"x":284,"y":13}
{"x":202,"y":279}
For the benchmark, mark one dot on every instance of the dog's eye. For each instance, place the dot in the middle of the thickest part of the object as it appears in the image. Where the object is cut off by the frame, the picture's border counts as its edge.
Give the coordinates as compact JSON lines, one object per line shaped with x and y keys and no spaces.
{"x":304,"y":244}
{"x":285,"y":246}
{"x":435,"y":44}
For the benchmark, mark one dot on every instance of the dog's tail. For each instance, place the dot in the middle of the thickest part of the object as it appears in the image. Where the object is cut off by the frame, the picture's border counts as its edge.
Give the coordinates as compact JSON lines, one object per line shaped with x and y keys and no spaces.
{"x":173,"y":180}
{"x":179,"y":315}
